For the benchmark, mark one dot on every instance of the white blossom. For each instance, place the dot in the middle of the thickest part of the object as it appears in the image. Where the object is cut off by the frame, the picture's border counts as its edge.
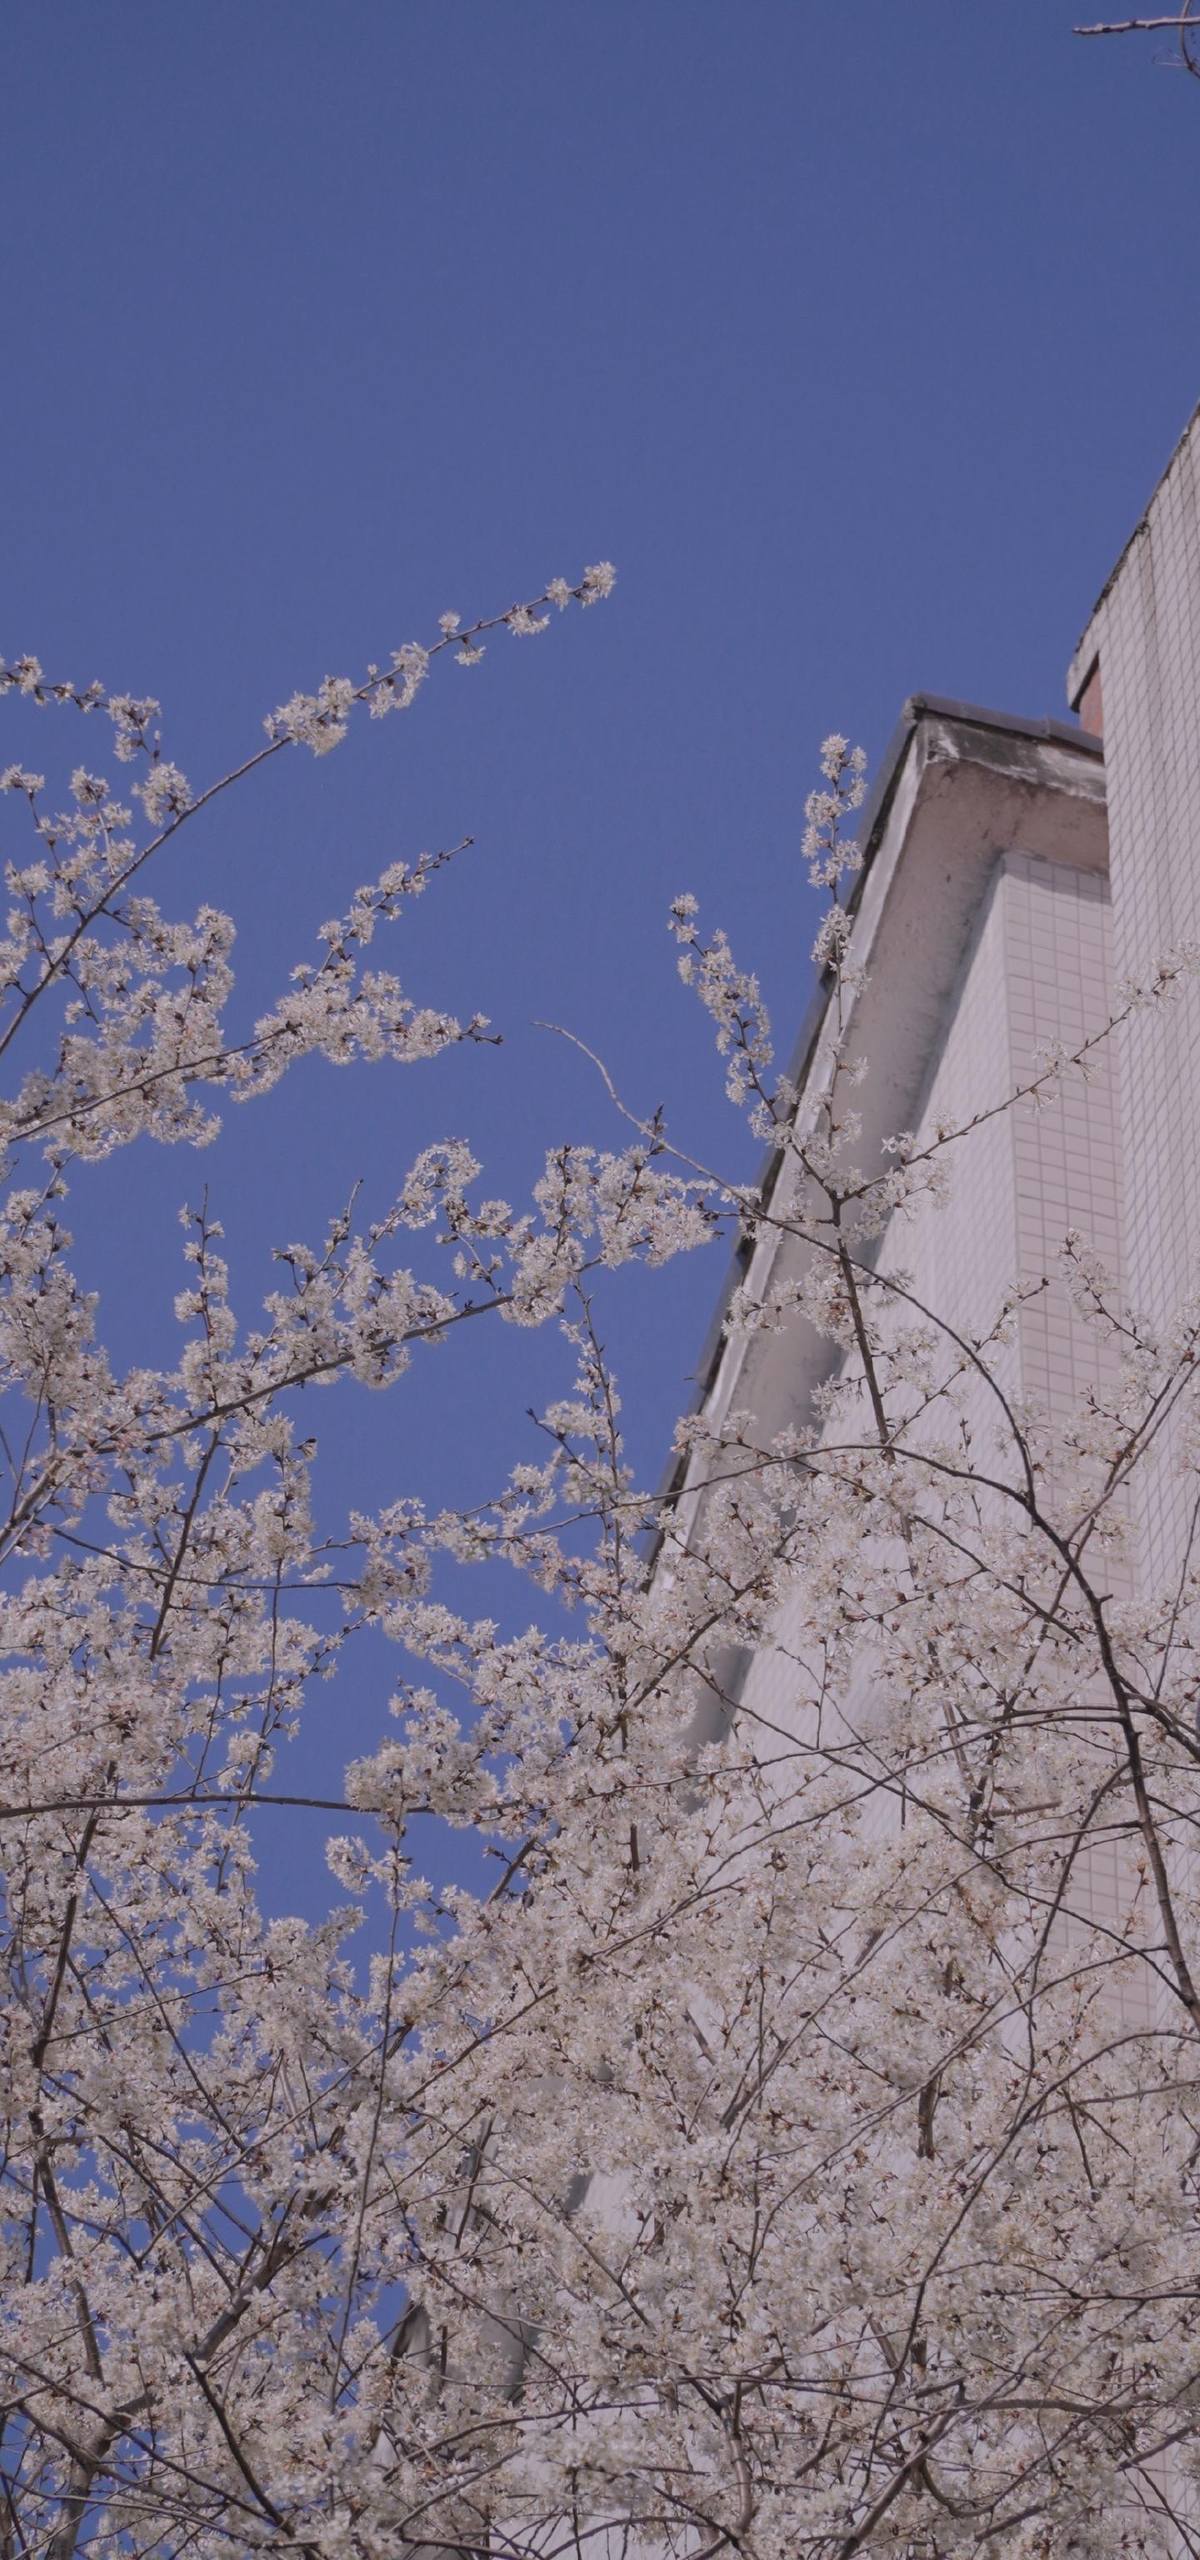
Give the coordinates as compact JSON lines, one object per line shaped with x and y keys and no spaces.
{"x":598,"y":582}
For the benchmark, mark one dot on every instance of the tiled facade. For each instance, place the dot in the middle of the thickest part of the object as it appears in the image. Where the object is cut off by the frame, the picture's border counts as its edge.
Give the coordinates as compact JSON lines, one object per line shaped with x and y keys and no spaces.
{"x":1012,"y":886}
{"x":1043,"y":916}
{"x":1039,"y":977}
{"x":1144,"y":639}
{"x":1035,"y":974}
{"x":1057,"y":928}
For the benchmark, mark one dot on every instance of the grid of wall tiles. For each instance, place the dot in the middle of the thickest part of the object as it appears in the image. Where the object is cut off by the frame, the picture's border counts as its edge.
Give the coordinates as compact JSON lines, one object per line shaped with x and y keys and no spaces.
{"x":1147,"y":633}
{"x":1058,"y":985}
{"x":1037,"y":974}
{"x":1037,"y":979}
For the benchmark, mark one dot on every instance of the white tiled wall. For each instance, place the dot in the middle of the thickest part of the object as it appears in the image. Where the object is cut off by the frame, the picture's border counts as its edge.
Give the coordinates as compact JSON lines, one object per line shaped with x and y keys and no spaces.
{"x":1066,"y":1153}
{"x":1146,"y":631}
{"x":1146,"y":634}
{"x":1037,"y":974}
{"x":1038,"y":977}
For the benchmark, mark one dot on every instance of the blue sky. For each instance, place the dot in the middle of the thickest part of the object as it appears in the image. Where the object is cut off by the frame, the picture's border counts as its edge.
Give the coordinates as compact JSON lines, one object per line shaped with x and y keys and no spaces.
{"x":856,"y":336}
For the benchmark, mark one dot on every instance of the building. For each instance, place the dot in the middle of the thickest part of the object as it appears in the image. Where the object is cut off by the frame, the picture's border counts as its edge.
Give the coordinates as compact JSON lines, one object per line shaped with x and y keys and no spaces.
{"x":1016,"y":875}
{"x":1135,"y":679}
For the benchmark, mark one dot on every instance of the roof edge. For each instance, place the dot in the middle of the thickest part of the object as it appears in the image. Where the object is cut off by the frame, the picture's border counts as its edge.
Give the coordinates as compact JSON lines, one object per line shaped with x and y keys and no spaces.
{"x":1084,"y":653}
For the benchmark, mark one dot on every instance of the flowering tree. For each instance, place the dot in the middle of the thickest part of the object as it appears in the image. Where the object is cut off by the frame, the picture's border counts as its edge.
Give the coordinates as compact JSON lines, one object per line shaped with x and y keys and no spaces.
{"x":783,"y":2159}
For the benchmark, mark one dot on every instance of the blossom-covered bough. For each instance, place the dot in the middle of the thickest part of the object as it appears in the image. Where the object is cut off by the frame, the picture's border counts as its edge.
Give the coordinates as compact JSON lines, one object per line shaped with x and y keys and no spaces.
{"x":789,"y":2157}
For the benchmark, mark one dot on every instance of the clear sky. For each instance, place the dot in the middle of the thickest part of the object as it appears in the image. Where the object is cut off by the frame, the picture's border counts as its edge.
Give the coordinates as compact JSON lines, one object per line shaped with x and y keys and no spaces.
{"x":855,"y":335}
